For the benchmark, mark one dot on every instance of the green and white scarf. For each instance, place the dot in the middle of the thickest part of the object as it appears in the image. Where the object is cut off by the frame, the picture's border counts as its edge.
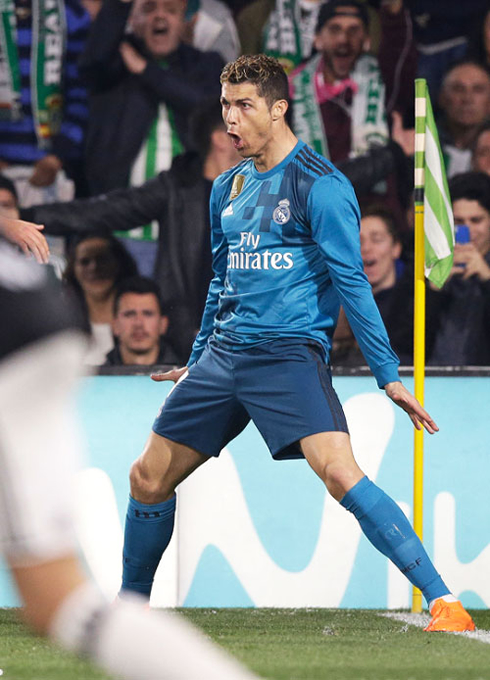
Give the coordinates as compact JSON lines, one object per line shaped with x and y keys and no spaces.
{"x":281,"y":36}
{"x":368,"y":115}
{"x":47,"y":53}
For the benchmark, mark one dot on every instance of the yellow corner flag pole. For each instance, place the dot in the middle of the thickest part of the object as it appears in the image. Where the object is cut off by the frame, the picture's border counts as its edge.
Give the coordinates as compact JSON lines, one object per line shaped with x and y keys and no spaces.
{"x":419,"y":320}
{"x":434,"y":247}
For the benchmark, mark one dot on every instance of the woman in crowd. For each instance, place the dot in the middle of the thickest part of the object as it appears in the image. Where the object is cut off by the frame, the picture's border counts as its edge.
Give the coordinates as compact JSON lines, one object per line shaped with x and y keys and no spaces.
{"x":96,"y":263}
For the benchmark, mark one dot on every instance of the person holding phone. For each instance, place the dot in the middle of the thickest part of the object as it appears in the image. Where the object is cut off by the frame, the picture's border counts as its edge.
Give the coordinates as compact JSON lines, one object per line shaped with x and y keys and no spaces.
{"x":462,"y":312}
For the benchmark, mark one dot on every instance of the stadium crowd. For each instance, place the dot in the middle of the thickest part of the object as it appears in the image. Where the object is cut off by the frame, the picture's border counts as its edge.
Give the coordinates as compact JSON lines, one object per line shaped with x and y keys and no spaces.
{"x":111,"y":137}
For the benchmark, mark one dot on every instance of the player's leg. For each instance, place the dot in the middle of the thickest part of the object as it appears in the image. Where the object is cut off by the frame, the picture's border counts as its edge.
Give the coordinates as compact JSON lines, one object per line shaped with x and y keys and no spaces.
{"x":121,"y":638}
{"x":382,"y":521}
{"x":150,"y":516}
{"x":199,"y":417}
{"x":298,"y":412}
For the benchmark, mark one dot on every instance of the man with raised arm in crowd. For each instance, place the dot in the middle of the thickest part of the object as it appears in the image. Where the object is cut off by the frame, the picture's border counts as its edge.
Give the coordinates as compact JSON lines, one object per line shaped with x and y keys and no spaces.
{"x":144,"y":82}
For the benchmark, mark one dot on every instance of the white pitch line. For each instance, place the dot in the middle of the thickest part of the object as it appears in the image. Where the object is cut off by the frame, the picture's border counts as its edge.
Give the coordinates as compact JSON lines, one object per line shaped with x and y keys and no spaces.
{"x":421,"y":620}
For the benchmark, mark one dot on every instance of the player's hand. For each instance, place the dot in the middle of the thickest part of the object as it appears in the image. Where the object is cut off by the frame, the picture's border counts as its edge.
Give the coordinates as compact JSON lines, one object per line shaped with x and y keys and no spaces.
{"x":27,"y":236}
{"x":175,"y":374}
{"x":402,"y":398}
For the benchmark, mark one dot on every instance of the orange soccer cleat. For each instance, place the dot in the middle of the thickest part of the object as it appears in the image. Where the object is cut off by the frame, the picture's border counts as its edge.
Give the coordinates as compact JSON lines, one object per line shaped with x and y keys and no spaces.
{"x":449,"y":617}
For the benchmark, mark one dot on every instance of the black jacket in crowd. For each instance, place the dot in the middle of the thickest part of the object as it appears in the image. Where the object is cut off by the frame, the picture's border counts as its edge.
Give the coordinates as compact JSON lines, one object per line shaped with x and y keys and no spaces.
{"x":166,"y":356}
{"x":179,"y":200}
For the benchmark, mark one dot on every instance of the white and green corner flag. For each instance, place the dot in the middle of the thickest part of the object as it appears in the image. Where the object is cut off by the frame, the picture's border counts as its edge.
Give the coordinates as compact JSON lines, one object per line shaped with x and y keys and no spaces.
{"x":431,"y":189}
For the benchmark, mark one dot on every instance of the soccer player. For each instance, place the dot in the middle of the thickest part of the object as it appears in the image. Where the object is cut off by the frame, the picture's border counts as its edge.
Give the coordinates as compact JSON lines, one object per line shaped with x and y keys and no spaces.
{"x":40,"y":357}
{"x":285,"y":237}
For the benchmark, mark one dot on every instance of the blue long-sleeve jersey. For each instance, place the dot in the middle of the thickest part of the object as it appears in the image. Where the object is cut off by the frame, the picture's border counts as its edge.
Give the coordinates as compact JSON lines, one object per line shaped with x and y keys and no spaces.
{"x":286,"y":255}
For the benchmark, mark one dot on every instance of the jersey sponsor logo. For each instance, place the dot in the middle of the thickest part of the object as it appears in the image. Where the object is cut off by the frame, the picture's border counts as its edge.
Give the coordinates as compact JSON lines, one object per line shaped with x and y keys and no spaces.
{"x":265,"y":260}
{"x":282,"y":213}
{"x":243,"y":259}
{"x":236,"y":189}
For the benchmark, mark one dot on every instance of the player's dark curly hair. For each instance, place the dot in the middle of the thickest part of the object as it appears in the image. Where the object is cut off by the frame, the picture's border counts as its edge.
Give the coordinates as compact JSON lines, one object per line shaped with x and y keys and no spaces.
{"x":265,"y":72}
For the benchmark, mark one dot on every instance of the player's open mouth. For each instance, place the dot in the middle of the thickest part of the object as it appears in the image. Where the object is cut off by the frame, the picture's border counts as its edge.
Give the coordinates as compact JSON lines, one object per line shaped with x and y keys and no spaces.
{"x":160,"y":31}
{"x":236,"y":140}
{"x":369,"y":263}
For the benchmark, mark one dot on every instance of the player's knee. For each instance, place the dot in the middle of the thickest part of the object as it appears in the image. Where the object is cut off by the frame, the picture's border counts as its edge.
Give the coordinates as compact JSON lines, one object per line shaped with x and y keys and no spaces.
{"x":339,"y":479}
{"x":146,"y":487}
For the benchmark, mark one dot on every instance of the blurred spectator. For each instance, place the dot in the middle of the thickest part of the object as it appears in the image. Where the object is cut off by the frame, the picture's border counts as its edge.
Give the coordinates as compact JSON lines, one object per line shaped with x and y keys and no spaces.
{"x":480,"y":161}
{"x":465,"y":104}
{"x":43,"y":103}
{"x":139,"y":325}
{"x":461,"y":318}
{"x":9,"y":203}
{"x":211,"y":28}
{"x":392,"y":285}
{"x":96,"y":264}
{"x":143,"y":86}
{"x":441,"y":30}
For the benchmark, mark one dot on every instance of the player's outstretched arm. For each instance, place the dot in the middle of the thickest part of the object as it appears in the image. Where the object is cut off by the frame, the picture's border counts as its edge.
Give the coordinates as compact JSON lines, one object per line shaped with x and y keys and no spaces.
{"x":405,"y":400}
{"x":27,"y":236}
{"x":174,"y":374}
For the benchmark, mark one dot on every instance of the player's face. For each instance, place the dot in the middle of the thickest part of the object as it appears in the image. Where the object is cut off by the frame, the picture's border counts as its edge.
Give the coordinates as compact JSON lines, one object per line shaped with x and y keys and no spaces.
{"x":248,"y":119}
{"x":160,"y":24}
{"x":465,"y":95}
{"x":379,"y":251}
{"x":341,"y":40}
{"x":95,"y":267}
{"x":138,"y":323}
{"x":478,"y":221}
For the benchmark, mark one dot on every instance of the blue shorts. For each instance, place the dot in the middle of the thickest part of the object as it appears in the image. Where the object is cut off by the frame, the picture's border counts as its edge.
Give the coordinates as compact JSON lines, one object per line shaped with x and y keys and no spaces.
{"x":284,"y":386}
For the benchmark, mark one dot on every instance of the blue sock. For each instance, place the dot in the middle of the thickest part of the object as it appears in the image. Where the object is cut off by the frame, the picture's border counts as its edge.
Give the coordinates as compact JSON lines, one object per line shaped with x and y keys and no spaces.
{"x":385,"y":525}
{"x":147,"y":533}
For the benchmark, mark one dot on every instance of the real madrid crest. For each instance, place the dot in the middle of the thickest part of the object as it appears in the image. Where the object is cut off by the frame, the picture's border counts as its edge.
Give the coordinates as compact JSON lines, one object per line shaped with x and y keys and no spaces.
{"x":282,"y":213}
{"x":237,"y":187}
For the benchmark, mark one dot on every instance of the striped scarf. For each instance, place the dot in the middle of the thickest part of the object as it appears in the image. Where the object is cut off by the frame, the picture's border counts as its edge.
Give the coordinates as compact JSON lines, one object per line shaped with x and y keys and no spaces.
{"x":367,"y":113}
{"x":288,"y":33}
{"x":48,"y":49}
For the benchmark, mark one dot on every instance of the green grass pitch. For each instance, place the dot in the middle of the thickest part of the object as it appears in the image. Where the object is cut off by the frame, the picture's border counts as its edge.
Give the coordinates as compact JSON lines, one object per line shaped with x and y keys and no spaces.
{"x":287,"y":644}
